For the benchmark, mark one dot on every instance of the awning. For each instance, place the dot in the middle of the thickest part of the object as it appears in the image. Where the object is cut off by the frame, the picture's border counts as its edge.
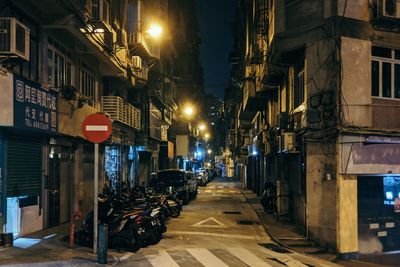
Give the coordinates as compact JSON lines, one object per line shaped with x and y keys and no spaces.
{"x":366,"y":157}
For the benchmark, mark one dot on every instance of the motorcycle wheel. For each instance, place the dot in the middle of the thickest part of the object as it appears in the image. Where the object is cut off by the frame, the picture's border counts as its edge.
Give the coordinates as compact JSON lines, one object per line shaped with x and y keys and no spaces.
{"x":136,"y":244}
{"x":155,"y":236}
{"x":123,"y":240}
{"x":175,"y":211}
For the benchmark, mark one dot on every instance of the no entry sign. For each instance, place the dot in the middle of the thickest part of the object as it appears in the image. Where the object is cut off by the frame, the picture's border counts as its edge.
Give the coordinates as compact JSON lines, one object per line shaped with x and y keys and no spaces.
{"x":96,"y":128}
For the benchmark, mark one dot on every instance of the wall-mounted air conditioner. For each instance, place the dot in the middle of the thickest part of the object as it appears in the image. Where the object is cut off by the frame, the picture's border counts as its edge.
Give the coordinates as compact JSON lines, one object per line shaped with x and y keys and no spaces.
{"x":390,"y":8}
{"x":14,"y":39}
{"x":288,"y":141}
{"x":137,"y":62}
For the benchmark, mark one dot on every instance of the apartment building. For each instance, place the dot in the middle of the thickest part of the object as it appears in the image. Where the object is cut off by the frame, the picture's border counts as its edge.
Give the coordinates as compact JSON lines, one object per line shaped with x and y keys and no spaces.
{"x":59,"y":65}
{"x":318,"y":82}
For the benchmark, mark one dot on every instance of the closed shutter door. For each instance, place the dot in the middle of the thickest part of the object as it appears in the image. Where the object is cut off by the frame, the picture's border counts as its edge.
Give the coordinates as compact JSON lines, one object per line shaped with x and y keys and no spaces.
{"x":24,"y":164}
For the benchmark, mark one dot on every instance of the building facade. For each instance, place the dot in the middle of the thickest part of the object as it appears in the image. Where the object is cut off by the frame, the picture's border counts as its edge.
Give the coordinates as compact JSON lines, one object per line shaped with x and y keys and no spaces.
{"x":59,"y":65}
{"x":318,"y":82}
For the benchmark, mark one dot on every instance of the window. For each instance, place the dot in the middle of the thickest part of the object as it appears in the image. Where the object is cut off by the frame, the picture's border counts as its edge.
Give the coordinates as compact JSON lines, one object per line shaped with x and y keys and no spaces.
{"x":299,"y":87}
{"x":87,"y":81}
{"x":385,"y":72}
{"x":59,"y":65}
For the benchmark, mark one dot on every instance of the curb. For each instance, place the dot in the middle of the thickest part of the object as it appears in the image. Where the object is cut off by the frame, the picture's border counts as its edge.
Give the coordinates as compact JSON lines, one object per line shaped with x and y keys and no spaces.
{"x":276,"y":240}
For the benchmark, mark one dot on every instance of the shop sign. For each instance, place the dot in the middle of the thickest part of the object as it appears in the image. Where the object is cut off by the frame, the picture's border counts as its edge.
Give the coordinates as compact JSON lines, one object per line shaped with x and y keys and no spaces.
{"x":34,"y":107}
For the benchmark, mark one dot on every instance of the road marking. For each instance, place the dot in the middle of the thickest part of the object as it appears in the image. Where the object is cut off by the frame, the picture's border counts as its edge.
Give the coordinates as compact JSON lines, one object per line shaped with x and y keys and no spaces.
{"x":162,"y":259}
{"x":205,"y":257}
{"x":208,"y":191}
{"x":214,"y":234}
{"x":92,"y":128}
{"x":248,"y":257}
{"x":126,"y":256}
{"x":210,"y":222}
{"x":220,"y":191}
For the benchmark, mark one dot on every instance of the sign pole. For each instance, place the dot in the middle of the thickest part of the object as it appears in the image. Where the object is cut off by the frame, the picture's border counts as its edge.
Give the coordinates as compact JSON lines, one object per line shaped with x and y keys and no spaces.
{"x":97,"y":128}
{"x":95,"y":200}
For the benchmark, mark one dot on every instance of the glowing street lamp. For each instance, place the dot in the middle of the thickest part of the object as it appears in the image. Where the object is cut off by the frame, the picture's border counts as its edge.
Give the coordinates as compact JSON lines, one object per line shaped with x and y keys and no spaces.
{"x":202,"y":127}
{"x":207,"y":135}
{"x":209,"y":151}
{"x":188,"y":111}
{"x":154,"y":30}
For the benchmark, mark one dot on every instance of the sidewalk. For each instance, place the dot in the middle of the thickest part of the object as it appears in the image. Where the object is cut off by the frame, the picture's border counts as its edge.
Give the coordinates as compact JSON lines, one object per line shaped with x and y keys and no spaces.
{"x":287,"y":235}
{"x":48,"y":247}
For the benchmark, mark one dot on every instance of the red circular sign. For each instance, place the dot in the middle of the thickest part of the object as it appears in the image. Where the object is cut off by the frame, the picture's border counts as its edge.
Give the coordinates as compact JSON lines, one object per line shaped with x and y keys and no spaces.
{"x":96,"y":128}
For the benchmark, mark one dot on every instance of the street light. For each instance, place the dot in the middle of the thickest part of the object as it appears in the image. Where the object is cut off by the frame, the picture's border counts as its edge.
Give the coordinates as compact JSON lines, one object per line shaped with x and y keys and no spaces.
{"x":209,"y":151}
{"x":154,"y":30}
{"x":188,"y":111}
{"x":207,"y":135}
{"x":202,"y":127}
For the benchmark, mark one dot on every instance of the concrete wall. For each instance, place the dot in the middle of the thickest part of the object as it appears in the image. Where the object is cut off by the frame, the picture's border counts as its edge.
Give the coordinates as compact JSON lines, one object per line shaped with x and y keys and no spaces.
{"x":321,"y":194}
{"x":6,"y":100}
{"x":70,"y":117}
{"x":385,"y":114}
{"x":356,"y":9}
{"x":307,"y":12}
{"x":347,"y":222}
{"x":356,"y":85}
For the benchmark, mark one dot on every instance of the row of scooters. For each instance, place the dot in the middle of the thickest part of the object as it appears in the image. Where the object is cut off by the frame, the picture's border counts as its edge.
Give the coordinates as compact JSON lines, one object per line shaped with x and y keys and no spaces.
{"x":135,"y":217}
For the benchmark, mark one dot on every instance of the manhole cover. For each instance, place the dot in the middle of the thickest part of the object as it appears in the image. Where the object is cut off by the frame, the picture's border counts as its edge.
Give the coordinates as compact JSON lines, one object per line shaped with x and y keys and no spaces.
{"x":232,"y":212}
{"x":246,"y":222}
{"x":274,"y":247}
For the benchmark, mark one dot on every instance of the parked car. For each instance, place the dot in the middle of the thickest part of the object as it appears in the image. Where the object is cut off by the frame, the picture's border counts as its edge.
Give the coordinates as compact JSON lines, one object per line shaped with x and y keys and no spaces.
{"x":174,"y":180}
{"x":192,"y":184}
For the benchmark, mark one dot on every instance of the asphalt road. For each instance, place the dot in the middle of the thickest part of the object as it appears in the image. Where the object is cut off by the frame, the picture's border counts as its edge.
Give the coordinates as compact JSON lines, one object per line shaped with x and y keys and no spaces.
{"x":218,"y":229}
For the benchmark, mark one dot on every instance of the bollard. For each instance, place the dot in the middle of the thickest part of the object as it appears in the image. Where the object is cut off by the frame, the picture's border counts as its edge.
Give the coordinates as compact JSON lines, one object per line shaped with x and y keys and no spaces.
{"x":102,"y":243}
{"x":75,"y":217}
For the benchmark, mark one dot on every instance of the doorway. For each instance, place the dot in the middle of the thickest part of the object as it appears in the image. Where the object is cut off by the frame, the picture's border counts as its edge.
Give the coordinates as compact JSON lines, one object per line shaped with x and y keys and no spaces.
{"x":53,"y":189}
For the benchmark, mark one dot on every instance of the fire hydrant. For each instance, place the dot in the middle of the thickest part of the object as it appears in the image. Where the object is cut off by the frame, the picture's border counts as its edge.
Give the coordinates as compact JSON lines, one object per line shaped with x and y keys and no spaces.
{"x":77,"y":215}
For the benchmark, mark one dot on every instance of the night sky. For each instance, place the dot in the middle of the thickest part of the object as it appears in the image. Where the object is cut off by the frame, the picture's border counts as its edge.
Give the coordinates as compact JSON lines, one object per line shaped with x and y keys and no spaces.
{"x":215,"y":18}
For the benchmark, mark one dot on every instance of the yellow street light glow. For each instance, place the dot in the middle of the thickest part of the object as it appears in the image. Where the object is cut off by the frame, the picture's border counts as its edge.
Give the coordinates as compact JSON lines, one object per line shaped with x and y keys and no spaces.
{"x":202,"y":127}
{"x":154,"y":30}
{"x":209,"y":151}
{"x":188,"y":111}
{"x":207,"y":135}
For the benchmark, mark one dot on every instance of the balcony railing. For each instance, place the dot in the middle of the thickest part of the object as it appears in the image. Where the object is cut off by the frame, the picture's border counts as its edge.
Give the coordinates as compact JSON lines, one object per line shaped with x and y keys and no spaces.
{"x":121,"y":111}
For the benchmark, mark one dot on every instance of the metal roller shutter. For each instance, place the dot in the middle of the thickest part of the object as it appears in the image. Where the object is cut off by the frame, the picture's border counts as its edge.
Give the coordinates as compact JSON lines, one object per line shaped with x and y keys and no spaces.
{"x":24,"y":165}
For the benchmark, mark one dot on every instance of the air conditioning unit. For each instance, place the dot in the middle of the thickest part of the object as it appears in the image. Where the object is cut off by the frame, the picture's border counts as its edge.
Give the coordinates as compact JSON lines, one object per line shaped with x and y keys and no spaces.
{"x":14,"y":39}
{"x":390,"y":8}
{"x":288,"y":141}
{"x":137,"y":62}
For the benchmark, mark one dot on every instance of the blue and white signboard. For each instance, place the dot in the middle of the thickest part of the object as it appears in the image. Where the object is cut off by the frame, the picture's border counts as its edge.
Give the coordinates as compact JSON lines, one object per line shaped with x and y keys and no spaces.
{"x":34,"y":107}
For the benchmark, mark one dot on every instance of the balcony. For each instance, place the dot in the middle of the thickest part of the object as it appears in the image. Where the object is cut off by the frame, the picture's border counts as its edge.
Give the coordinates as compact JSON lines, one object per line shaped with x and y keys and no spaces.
{"x":139,"y":47}
{"x":121,"y":111}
